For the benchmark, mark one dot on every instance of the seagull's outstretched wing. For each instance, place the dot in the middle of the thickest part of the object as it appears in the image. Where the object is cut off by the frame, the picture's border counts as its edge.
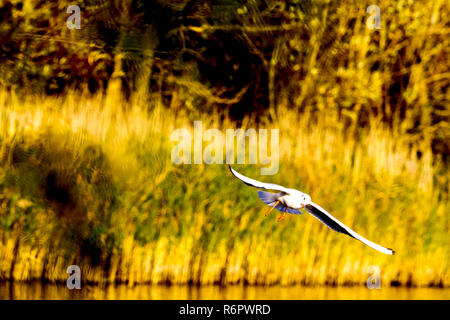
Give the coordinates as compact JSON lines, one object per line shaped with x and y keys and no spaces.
{"x":334,"y":224}
{"x":258,"y":184}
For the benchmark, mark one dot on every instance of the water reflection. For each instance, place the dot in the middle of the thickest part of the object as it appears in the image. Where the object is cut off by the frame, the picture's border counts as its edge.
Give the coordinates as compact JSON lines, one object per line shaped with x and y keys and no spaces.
{"x":36,"y":290}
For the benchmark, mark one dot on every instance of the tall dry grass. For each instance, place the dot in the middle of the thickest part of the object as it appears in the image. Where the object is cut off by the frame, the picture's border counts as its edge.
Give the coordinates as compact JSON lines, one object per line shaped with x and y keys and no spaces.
{"x":90,"y":181}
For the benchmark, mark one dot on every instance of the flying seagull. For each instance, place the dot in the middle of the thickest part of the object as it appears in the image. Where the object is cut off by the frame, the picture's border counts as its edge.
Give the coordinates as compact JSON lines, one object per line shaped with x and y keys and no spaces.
{"x":291,"y":201}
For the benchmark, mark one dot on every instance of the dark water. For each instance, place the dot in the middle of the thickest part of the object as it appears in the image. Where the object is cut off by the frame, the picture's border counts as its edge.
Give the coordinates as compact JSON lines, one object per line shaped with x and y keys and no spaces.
{"x":33,"y":291}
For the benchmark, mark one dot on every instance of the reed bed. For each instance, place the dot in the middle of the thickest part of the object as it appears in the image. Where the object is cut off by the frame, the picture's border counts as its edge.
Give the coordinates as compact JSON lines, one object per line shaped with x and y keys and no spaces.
{"x":90,"y":181}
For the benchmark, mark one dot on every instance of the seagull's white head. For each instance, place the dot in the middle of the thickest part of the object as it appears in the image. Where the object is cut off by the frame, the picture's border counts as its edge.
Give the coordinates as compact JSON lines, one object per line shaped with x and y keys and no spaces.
{"x":301,"y":197}
{"x":306,"y":199}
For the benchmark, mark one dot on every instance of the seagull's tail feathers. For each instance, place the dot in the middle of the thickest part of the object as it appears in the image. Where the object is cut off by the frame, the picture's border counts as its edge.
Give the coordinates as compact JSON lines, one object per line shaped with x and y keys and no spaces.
{"x":270,"y":199}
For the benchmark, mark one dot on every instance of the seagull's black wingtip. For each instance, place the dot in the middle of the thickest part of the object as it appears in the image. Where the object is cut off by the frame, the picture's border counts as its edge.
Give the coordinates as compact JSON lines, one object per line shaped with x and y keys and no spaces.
{"x":393,"y":252}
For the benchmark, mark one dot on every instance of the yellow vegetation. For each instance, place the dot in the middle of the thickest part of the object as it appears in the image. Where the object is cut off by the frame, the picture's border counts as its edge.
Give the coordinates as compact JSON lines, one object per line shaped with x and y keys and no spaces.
{"x":147,"y":220}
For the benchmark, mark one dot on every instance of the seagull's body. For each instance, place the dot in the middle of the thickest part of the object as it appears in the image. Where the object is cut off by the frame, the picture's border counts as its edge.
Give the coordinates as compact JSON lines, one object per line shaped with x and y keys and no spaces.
{"x":291,"y":201}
